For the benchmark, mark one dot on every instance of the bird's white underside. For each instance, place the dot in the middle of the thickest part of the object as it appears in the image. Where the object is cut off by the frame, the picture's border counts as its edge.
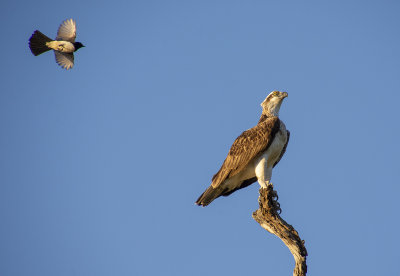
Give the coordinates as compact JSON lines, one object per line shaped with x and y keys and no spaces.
{"x":61,"y":46}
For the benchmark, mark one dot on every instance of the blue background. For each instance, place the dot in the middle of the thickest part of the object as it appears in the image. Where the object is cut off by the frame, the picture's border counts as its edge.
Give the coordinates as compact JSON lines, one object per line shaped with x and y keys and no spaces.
{"x":100,"y":165}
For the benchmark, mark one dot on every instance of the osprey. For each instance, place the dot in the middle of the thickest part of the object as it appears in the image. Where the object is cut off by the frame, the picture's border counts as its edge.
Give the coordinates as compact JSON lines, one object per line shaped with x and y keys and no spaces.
{"x":64,"y":46}
{"x":253,"y":154}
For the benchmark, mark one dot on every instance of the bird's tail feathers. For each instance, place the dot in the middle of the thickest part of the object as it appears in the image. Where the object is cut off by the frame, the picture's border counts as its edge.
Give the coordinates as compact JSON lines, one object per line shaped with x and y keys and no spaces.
{"x":208,"y":196}
{"x":37,"y":43}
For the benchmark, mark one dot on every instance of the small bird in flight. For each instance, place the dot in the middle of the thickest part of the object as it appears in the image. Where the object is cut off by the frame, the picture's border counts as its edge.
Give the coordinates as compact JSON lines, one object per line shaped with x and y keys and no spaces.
{"x":64,"y":46}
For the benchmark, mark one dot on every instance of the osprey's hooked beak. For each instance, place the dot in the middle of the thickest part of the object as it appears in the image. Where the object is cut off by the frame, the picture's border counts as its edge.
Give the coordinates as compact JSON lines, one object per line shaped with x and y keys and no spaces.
{"x":284,"y":95}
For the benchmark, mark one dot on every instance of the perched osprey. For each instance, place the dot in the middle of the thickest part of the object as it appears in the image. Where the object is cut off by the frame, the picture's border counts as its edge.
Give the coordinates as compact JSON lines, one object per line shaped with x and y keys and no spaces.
{"x":253,"y":154}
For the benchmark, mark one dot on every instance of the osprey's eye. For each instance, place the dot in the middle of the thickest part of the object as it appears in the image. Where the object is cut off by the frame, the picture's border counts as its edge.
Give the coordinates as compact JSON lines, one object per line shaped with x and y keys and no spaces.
{"x":275,"y":93}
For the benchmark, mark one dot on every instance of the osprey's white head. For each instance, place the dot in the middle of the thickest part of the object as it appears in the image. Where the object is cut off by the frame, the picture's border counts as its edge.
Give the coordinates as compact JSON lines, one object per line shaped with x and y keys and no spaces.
{"x":272,"y":103}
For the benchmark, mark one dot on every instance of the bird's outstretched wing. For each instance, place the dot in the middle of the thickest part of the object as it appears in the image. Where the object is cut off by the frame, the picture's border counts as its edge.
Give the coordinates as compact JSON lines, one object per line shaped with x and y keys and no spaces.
{"x":65,"y":60}
{"x":67,"y":31}
{"x":247,"y":146}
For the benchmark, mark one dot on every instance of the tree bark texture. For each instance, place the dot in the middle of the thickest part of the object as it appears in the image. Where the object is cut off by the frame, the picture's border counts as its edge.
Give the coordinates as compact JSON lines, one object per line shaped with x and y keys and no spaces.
{"x":268,"y":217}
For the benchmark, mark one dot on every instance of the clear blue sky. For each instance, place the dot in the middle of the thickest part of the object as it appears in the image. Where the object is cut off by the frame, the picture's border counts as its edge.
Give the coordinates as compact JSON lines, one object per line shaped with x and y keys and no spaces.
{"x":100,"y":165}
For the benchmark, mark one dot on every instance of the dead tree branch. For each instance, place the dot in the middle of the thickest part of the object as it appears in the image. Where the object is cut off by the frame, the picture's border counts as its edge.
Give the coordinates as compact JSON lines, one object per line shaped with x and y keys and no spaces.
{"x":268,"y":217}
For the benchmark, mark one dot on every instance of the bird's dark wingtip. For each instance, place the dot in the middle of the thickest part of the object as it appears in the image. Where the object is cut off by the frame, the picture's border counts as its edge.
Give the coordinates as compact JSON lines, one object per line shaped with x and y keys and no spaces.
{"x":208,"y":196}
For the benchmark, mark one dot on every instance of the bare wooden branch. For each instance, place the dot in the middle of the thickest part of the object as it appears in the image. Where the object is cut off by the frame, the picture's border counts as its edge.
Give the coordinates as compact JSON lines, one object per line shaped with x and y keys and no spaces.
{"x":268,"y":217}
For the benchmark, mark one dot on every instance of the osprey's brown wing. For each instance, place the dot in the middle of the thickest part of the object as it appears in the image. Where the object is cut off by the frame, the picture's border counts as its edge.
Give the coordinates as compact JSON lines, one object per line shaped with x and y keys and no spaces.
{"x":250,"y":181}
{"x":247,"y":146}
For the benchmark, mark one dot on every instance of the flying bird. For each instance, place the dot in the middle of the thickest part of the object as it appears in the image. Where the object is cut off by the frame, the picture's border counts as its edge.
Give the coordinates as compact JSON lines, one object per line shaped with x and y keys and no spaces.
{"x":64,"y":46}
{"x":253,"y":154}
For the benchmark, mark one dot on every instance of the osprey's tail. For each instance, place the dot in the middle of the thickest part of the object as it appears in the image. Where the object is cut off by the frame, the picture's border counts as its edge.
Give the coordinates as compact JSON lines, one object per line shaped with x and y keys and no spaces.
{"x":208,"y":196}
{"x":37,"y":43}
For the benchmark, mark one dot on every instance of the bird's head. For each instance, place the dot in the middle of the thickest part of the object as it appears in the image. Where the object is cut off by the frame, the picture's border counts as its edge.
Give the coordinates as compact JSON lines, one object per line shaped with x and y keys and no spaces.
{"x":272,"y":103}
{"x":78,"y":45}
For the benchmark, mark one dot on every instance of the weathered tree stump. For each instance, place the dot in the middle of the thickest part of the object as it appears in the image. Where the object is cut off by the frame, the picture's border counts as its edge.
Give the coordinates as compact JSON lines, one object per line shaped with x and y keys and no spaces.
{"x":268,"y":217}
